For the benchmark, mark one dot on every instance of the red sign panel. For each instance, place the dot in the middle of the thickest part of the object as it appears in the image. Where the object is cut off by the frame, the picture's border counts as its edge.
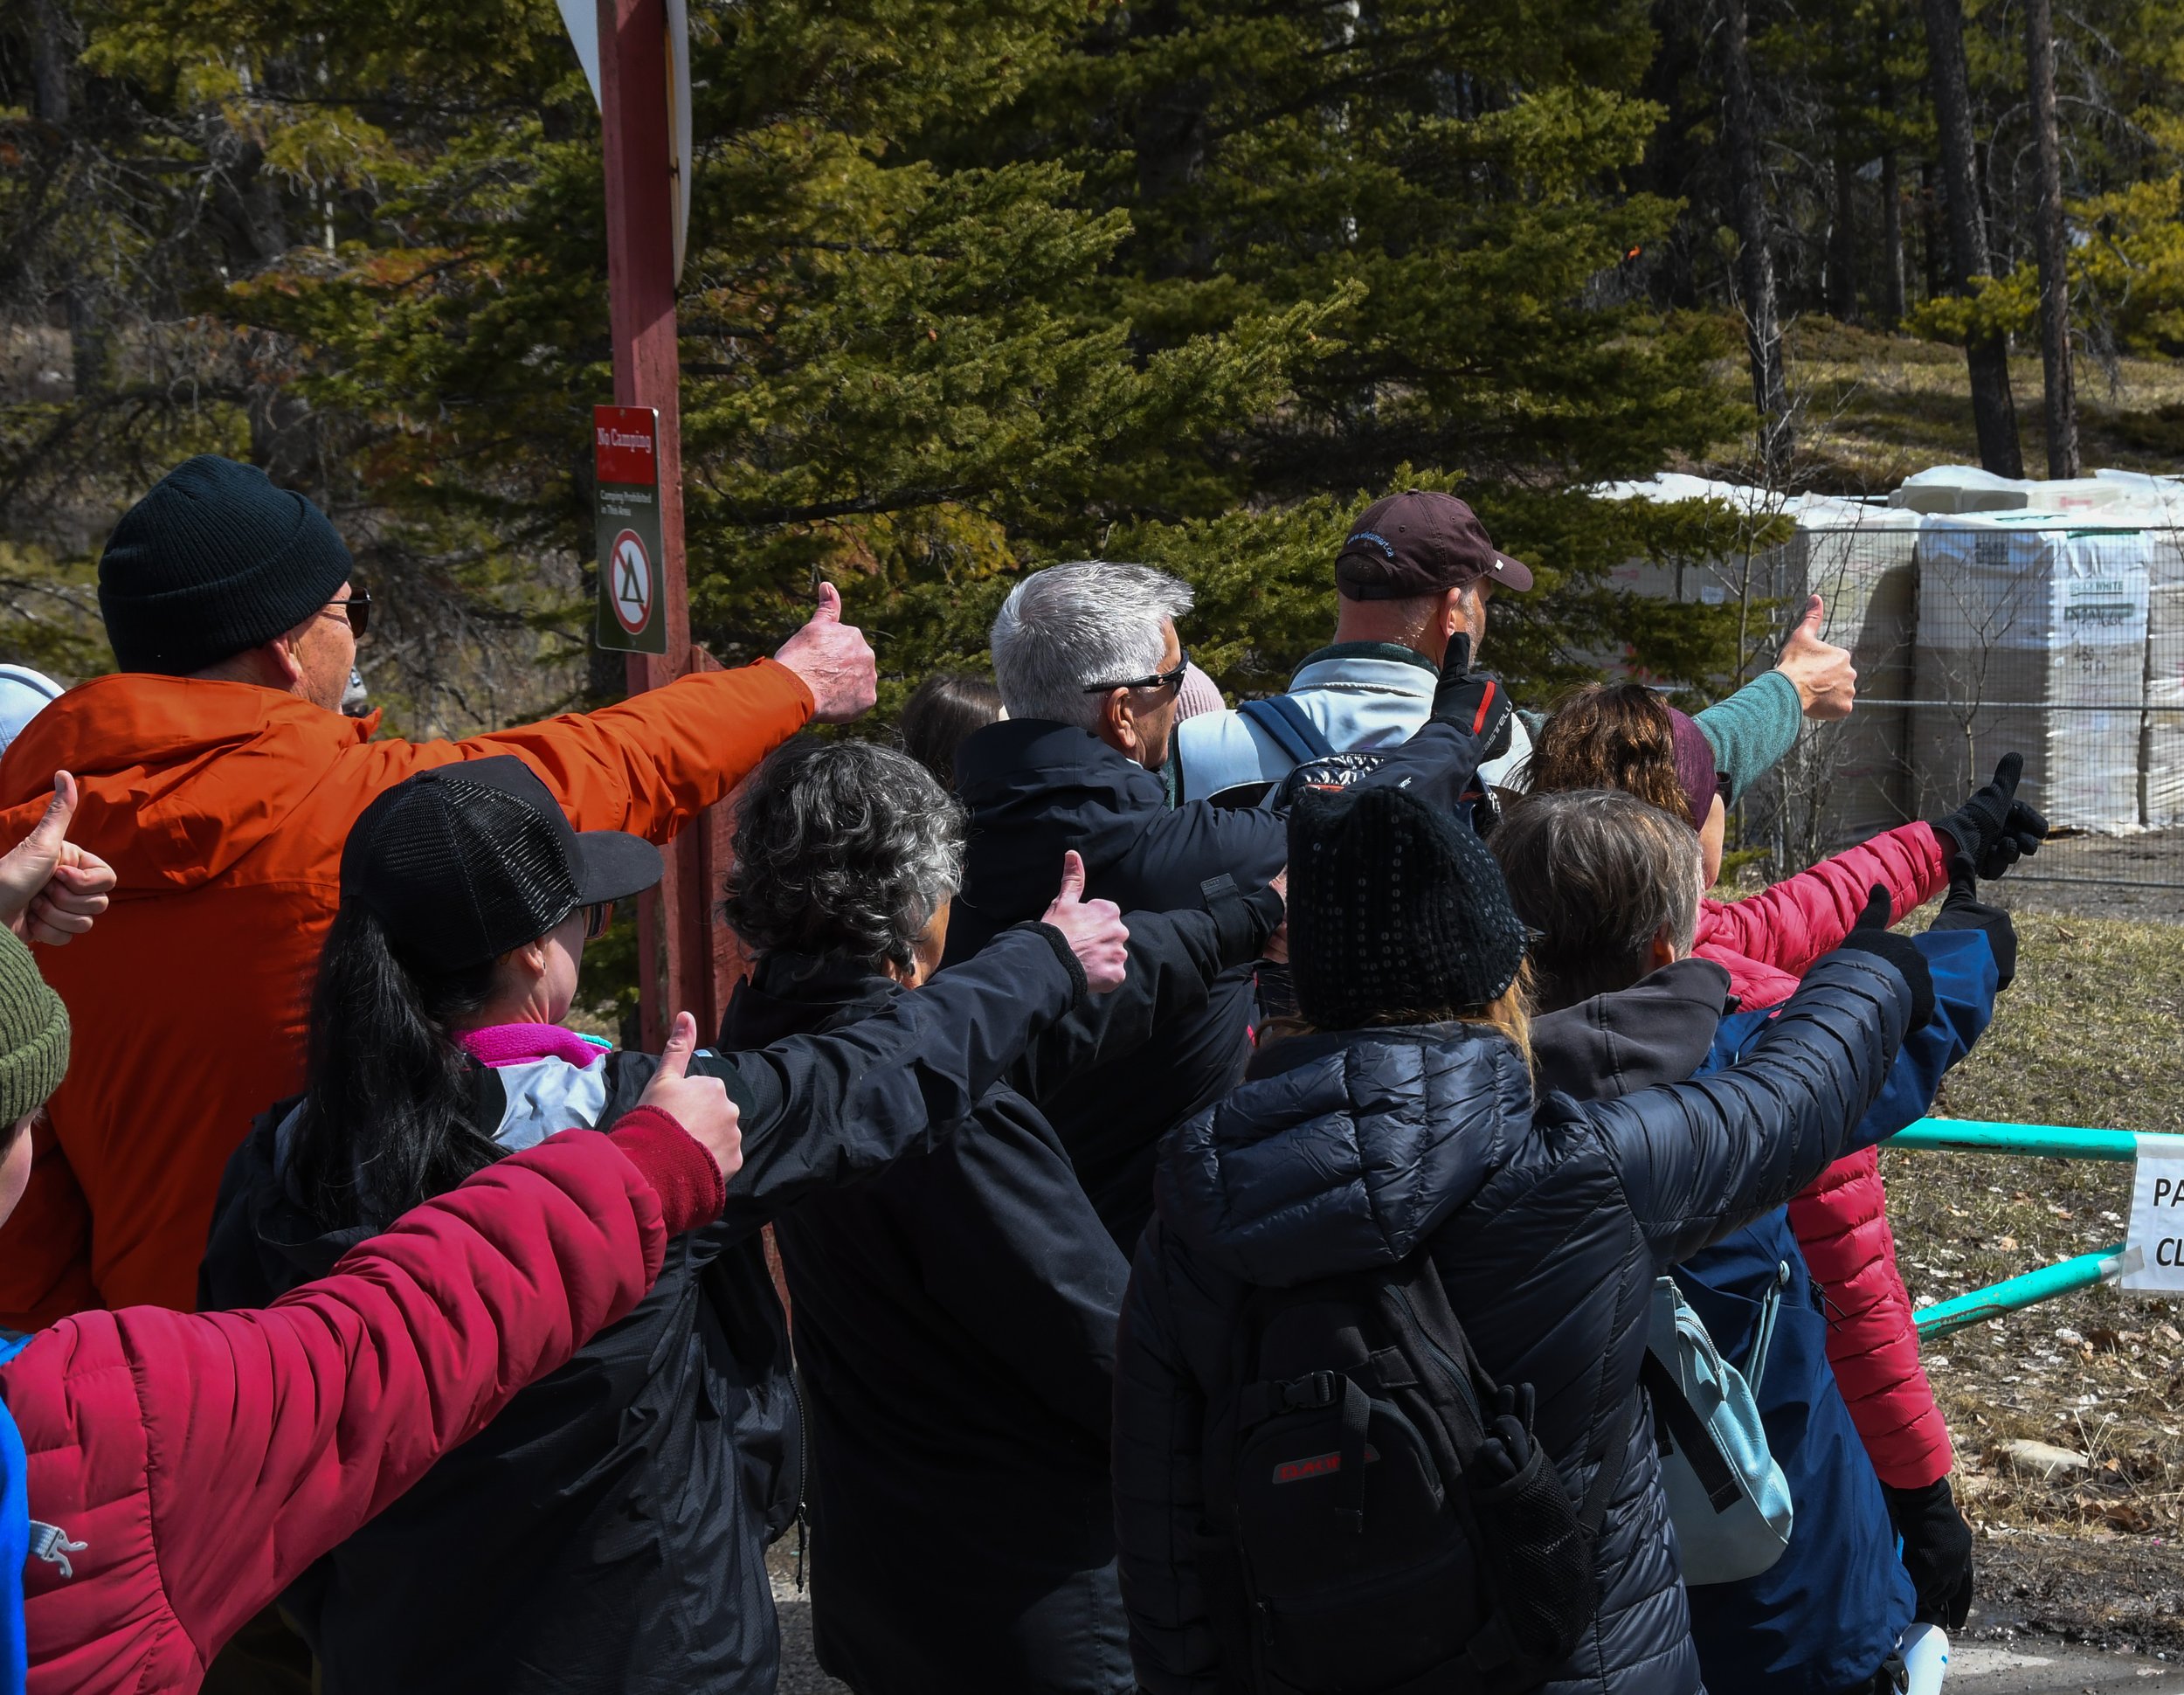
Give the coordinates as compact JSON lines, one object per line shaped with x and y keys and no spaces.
{"x":622,"y":448}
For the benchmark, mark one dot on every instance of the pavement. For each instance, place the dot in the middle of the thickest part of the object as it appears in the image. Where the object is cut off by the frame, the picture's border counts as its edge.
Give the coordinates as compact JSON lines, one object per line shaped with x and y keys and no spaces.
{"x":2036,"y":1665}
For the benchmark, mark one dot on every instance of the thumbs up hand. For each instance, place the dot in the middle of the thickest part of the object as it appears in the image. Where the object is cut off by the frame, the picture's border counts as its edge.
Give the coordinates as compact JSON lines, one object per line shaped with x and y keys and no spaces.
{"x":51,"y":890}
{"x":1827,"y":683}
{"x":835,"y":662}
{"x":1093,"y":929}
{"x":700,"y":1104}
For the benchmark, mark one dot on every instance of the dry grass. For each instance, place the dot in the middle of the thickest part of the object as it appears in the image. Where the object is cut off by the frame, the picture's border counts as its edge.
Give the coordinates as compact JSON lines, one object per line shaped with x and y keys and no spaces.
{"x":1876,"y":408}
{"x":2088,"y":1035}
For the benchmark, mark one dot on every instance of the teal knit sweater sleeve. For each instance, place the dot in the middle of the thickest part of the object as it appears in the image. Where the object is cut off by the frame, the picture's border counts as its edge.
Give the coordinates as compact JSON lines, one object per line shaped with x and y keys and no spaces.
{"x":1752,"y":729}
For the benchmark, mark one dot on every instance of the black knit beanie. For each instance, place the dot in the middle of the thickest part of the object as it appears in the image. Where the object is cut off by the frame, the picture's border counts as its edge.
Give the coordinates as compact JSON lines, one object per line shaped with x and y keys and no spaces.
{"x":1395,"y":906}
{"x":214,"y":560}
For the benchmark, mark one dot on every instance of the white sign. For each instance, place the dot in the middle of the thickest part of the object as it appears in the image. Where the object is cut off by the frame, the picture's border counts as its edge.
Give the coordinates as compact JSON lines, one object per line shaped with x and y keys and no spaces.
{"x":632,"y":590}
{"x":2154,"y":1259}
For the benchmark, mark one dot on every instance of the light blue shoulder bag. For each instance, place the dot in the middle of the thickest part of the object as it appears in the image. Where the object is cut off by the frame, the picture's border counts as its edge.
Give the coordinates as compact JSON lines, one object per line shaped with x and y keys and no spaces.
{"x":1727,"y":1496}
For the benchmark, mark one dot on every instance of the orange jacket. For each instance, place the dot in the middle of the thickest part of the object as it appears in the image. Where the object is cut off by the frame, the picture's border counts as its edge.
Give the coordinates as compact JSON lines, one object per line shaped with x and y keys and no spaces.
{"x":224,"y":806}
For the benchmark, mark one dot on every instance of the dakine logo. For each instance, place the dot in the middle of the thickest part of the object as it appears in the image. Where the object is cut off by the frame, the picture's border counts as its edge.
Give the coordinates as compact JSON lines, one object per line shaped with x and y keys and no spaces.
{"x":1373,"y":537}
{"x":1320,"y":1465}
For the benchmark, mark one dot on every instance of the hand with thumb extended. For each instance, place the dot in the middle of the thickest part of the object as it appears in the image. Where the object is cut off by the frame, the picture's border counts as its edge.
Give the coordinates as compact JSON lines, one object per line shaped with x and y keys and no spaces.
{"x":835,"y":662}
{"x":1093,"y":929}
{"x":1827,"y":683}
{"x":1871,"y":935}
{"x":1994,"y":829}
{"x":51,"y":890}
{"x":700,"y":1105}
{"x":1474,"y":702}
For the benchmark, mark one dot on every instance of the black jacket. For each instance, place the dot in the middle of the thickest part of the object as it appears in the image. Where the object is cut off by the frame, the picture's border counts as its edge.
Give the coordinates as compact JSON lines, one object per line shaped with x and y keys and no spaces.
{"x":607,"y":1530}
{"x":955,"y":1324}
{"x":1548,"y":1227}
{"x":1036,"y":789}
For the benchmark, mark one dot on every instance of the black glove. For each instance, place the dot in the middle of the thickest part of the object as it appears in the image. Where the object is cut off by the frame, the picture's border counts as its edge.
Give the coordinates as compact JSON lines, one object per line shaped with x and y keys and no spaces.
{"x":1474,"y":701}
{"x":1871,"y":935}
{"x":1993,"y":829}
{"x":1965,"y":911}
{"x":1936,"y":1551}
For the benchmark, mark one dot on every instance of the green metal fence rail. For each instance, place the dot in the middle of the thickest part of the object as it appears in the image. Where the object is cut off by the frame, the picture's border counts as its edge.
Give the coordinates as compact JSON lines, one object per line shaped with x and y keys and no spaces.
{"x":2047,"y":1141}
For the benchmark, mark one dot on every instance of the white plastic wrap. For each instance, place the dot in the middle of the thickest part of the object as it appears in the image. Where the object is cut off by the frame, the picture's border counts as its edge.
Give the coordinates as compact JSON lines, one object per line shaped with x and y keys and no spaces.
{"x":1862,"y":561}
{"x":2026,"y":619}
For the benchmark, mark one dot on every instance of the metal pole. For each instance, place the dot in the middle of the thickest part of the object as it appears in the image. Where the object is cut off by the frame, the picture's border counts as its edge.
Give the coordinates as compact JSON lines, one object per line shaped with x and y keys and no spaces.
{"x":673,"y":959}
{"x":2050,"y":1141}
{"x":2099,"y":1266}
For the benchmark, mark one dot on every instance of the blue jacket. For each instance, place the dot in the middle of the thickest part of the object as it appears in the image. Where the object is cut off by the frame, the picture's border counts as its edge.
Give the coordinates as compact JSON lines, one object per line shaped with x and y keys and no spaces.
{"x":1829,"y":1610}
{"x":1548,"y":1225}
{"x":15,"y":1540}
{"x":1821,"y":1619}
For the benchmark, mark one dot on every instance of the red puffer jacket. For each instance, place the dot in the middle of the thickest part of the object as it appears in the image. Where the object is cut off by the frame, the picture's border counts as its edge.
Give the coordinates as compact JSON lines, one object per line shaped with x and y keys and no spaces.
{"x":1767,"y":943}
{"x":197,"y":1464}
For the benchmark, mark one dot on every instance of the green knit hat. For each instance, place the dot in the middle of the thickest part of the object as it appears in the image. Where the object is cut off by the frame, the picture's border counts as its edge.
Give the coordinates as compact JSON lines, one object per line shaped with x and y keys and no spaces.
{"x":34,"y":1033}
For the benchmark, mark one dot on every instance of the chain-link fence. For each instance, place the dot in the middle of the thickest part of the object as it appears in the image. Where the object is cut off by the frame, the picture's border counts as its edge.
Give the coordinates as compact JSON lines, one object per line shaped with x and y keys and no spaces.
{"x":1974,"y":635}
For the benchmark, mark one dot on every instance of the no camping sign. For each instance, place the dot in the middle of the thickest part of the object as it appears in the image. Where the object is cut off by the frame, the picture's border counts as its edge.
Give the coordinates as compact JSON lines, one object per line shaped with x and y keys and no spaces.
{"x":625,"y":457}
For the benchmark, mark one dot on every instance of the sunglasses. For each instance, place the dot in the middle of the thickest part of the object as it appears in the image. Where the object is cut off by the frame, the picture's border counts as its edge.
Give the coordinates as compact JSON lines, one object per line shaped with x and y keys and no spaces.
{"x":596,"y":920}
{"x":357,"y":609}
{"x":1170,"y":679}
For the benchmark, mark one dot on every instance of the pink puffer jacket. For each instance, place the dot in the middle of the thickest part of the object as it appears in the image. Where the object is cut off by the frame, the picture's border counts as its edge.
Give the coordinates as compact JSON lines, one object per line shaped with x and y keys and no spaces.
{"x":1767,"y":943}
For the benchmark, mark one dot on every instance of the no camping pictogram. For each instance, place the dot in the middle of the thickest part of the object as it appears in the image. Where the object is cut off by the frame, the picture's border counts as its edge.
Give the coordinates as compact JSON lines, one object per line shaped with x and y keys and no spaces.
{"x":630,"y":595}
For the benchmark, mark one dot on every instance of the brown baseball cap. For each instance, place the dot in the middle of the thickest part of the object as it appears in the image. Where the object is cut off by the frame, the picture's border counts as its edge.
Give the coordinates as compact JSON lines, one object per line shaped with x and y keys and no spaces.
{"x":1420,"y":542}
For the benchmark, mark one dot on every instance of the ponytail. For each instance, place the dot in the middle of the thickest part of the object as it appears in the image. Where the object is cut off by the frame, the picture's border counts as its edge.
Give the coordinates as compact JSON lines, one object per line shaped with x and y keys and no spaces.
{"x":386,"y":1119}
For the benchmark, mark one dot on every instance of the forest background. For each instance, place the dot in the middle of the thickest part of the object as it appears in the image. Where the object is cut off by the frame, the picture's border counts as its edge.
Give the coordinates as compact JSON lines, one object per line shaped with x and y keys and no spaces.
{"x":979,"y":284}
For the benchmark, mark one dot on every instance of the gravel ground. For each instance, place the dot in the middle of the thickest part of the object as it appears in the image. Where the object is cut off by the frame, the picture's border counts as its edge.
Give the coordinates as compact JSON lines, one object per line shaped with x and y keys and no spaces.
{"x":800,"y":1674}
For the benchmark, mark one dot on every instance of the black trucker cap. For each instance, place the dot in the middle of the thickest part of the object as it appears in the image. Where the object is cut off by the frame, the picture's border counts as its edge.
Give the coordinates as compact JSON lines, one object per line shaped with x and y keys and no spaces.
{"x":464,"y":861}
{"x":1420,"y":542}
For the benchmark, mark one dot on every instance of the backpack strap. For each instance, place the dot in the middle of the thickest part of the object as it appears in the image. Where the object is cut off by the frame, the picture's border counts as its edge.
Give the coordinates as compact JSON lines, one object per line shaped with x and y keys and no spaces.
{"x":1681,"y":1424}
{"x":1293,"y":732}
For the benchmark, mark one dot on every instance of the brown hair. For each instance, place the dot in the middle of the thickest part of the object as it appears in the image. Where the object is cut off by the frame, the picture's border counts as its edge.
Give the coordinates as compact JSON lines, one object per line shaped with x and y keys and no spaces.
{"x":1596,"y":874}
{"x":1509,"y":1012}
{"x":1610,"y":736}
{"x":940,"y":712}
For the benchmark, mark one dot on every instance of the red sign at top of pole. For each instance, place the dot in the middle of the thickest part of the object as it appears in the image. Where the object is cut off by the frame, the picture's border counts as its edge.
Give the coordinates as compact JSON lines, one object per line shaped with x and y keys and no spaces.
{"x":624,"y":445}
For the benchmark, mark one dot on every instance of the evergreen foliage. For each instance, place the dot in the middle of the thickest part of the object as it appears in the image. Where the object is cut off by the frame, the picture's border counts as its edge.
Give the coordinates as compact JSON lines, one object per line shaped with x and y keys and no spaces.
{"x":977,"y":285}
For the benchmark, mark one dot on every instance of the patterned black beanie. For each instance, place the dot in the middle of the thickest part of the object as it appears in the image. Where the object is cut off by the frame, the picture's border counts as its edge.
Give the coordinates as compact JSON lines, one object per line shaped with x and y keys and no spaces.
{"x":1395,"y":906}
{"x":215,"y":559}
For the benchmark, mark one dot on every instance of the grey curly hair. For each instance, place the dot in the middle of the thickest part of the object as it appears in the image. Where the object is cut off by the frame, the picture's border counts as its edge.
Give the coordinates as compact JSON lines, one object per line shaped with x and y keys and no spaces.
{"x":842,"y":848}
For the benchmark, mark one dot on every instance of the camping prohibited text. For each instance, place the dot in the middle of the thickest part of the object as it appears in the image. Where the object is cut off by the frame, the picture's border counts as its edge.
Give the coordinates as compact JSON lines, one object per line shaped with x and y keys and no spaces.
{"x":625,"y":456}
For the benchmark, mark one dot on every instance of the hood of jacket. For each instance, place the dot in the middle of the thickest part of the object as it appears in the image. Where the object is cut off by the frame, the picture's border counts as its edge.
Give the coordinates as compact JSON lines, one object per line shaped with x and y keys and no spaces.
{"x":1344,"y":1152}
{"x":1036,"y":789}
{"x":180,"y":778}
{"x":1657,"y":1031}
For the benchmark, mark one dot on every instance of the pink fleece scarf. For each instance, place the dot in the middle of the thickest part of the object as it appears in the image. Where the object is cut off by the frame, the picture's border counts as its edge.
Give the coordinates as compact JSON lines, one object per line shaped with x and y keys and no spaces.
{"x":518,"y":1044}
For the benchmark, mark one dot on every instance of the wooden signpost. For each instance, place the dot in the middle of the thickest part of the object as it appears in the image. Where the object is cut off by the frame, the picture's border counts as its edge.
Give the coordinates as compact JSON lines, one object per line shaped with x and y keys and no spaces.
{"x":636,"y":53}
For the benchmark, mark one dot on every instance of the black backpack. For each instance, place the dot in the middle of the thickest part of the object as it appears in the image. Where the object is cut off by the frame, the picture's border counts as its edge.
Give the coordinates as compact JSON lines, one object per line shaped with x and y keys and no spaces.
{"x":1379,"y":1520}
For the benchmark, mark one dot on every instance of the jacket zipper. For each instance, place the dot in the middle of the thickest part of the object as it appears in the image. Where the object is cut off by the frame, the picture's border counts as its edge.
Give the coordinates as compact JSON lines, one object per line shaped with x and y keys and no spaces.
{"x":802,"y":1467}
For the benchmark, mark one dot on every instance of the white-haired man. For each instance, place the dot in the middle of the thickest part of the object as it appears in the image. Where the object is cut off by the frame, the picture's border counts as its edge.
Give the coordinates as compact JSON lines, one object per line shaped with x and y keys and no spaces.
{"x":1089,"y":665}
